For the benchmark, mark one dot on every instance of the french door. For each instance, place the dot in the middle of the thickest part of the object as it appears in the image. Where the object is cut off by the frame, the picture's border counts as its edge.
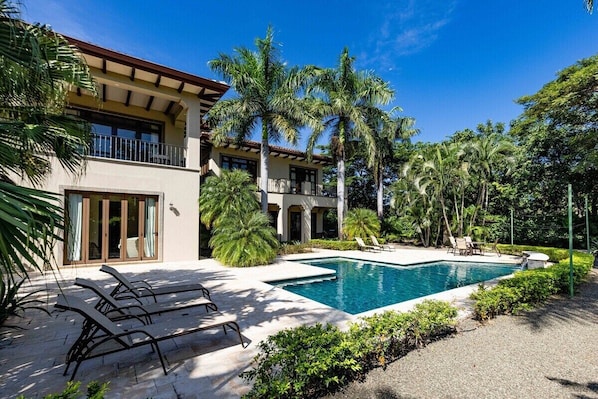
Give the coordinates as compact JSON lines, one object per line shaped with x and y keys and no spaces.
{"x":107,"y":227}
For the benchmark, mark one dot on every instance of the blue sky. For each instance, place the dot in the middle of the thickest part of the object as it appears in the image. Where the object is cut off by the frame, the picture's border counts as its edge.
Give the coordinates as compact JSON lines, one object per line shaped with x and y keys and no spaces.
{"x":453,"y":64}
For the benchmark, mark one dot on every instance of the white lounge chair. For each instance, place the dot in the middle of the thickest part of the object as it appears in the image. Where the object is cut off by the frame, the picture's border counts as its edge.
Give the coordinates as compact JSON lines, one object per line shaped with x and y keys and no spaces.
{"x":364,"y":247}
{"x":453,"y":247}
{"x":383,"y":247}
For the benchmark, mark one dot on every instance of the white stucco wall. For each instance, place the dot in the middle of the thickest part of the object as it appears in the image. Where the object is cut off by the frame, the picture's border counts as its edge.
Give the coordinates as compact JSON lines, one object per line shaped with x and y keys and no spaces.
{"x":177,"y":189}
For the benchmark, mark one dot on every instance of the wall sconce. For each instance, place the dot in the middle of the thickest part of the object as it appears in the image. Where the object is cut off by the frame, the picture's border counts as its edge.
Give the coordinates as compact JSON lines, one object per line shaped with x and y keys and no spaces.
{"x":173,"y":209}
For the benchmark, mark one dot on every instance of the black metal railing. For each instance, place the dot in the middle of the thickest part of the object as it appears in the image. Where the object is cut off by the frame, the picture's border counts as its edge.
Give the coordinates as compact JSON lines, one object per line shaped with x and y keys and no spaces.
{"x":121,"y":148}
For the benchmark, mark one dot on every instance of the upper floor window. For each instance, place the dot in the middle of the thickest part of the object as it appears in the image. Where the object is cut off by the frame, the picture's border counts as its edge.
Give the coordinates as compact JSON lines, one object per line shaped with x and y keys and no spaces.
{"x":250,"y":165}
{"x":120,"y":137}
{"x":301,"y":175}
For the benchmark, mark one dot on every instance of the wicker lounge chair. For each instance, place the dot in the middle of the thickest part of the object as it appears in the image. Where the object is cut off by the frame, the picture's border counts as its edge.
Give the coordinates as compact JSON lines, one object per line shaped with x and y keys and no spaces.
{"x":116,"y":310}
{"x":383,"y":247}
{"x":139,"y":289}
{"x":100,"y":336}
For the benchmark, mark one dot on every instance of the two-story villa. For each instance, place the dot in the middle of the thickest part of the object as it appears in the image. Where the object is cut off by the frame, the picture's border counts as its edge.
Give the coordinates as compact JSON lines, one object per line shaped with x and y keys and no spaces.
{"x":296,"y":199}
{"x":137,"y":199}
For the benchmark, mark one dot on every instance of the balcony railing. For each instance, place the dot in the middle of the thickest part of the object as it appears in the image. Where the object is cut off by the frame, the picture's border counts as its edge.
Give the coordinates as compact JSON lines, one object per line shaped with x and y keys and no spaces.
{"x":121,"y":148}
{"x":285,"y":186}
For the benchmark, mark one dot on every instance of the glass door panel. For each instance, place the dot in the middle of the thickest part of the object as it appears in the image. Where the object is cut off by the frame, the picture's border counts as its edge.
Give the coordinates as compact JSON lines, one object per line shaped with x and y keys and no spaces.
{"x":150,"y":224}
{"x":295,"y":226}
{"x":132,"y":247}
{"x":95,"y":227}
{"x":114,"y":227}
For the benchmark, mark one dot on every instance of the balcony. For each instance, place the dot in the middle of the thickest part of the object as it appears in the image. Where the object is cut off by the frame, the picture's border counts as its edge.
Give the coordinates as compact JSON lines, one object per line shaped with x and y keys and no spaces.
{"x":285,"y":186}
{"x":124,"y":149}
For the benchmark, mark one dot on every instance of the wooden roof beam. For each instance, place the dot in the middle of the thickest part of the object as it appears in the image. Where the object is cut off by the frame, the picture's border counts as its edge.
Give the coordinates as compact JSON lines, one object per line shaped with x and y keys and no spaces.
{"x":128,"y":100}
{"x":169,"y":108}
{"x":149,"y":103}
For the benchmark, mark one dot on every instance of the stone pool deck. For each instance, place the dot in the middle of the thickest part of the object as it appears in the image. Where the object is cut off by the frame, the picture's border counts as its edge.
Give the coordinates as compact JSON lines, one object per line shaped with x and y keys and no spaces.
{"x":201,"y":365}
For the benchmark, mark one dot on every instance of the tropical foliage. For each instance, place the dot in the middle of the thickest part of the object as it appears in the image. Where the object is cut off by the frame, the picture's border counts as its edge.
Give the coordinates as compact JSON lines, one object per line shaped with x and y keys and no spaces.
{"x":245,"y":240}
{"x":346,"y":100}
{"x":37,"y":69}
{"x":387,"y":131}
{"x":267,"y":101}
{"x":448,"y":186}
{"x":361,"y":223}
{"x":312,"y":361}
{"x":241,"y":234}
{"x":529,"y":288}
{"x":227,"y":196}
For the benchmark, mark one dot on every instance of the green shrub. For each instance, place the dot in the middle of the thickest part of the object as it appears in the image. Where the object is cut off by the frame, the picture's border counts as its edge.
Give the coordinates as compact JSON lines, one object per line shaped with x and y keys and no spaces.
{"x":379,"y":339}
{"x":334,"y":244}
{"x":531,"y":287}
{"x":287,"y":248}
{"x":494,"y":302}
{"x":307,"y":362}
{"x":382,"y":338}
{"x":432,"y":319}
{"x":555,"y":254}
{"x":301,"y":362}
{"x":94,"y":391}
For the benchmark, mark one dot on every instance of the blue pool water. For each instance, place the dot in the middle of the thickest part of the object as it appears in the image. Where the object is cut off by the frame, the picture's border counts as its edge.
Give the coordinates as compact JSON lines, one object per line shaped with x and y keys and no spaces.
{"x":361,"y":286}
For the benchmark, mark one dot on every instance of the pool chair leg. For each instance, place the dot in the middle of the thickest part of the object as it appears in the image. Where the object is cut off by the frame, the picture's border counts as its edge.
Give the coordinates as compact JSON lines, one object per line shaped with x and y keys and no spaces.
{"x":157,"y":348}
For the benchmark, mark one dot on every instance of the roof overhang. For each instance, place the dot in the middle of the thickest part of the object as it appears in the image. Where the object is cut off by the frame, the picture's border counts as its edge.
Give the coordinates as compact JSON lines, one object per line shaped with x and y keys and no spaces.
{"x":136,"y":82}
{"x":275,"y":151}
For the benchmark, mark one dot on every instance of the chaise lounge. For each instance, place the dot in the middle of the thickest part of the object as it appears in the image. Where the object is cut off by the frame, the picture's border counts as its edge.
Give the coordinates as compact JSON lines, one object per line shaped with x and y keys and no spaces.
{"x":383,"y":247}
{"x":363,"y":247}
{"x":115,"y":310}
{"x":139,"y":289}
{"x":101,"y":336}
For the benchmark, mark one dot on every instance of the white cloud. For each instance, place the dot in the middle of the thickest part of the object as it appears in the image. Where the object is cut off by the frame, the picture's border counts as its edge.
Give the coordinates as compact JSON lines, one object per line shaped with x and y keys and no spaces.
{"x":61,"y":18}
{"x":407,"y":27}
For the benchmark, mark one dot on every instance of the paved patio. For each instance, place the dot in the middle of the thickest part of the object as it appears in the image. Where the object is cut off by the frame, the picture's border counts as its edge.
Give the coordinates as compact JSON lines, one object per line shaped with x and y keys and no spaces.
{"x":201,"y":365}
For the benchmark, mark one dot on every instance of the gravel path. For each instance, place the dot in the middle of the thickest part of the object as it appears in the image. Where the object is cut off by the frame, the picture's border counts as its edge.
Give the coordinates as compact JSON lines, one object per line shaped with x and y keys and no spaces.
{"x":550,"y":352}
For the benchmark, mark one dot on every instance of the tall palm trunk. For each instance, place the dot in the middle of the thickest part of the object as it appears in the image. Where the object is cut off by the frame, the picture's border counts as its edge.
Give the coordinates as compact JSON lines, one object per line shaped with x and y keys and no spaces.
{"x":340,"y":194}
{"x":380,"y":194}
{"x":444,"y":215}
{"x":264,"y":169}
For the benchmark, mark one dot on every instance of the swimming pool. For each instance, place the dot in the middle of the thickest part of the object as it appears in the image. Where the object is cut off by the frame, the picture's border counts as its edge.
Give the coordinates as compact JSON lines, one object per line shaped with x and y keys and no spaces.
{"x":360,"y":286}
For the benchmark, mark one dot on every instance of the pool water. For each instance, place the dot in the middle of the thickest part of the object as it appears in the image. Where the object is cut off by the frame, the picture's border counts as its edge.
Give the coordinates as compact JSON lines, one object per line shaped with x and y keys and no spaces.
{"x":361,"y":285}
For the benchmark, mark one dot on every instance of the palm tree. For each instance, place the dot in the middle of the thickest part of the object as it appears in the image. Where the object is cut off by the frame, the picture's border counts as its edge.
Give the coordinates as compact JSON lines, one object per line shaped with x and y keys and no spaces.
{"x":267,"y":100}
{"x":344,"y":98}
{"x":37,"y":69}
{"x":245,"y":240}
{"x":242,"y":235}
{"x":439,"y":173}
{"x":361,"y":222}
{"x":229,"y":195}
{"x":388,"y":130}
{"x":490,"y":153}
